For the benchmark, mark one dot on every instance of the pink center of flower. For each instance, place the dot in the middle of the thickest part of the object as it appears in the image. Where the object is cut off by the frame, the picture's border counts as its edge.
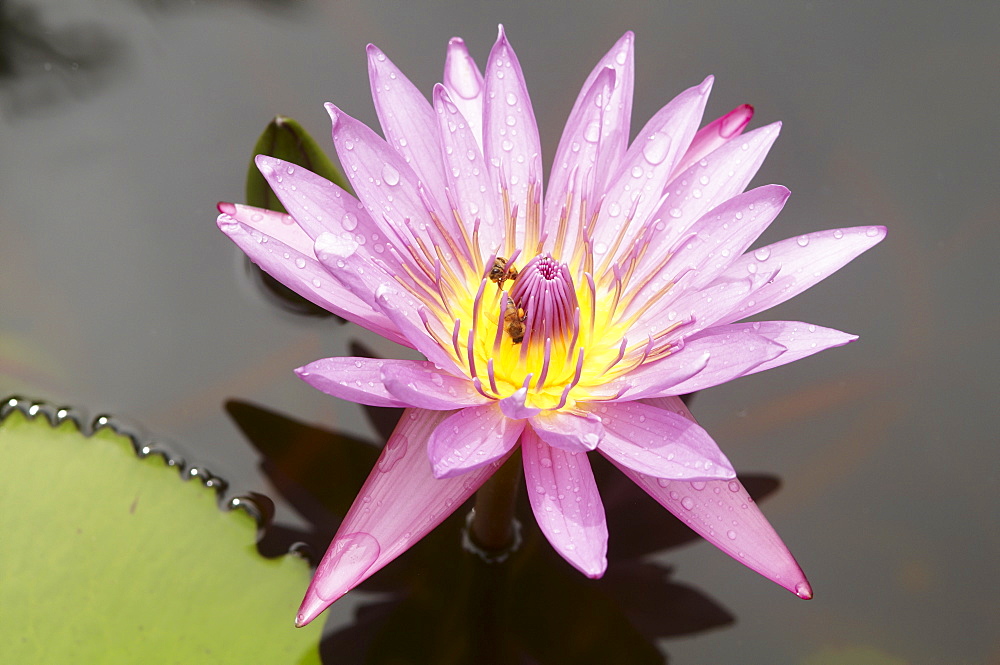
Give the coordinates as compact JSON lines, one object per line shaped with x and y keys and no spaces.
{"x":544,"y":292}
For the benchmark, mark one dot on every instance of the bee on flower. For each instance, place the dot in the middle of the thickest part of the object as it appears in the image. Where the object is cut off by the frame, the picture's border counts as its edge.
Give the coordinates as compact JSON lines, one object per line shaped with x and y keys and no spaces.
{"x":633,"y":271}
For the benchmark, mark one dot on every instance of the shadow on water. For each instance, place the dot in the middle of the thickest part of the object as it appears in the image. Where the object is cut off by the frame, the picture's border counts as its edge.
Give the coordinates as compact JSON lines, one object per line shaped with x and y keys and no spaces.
{"x":442,"y":604}
{"x":41,"y":66}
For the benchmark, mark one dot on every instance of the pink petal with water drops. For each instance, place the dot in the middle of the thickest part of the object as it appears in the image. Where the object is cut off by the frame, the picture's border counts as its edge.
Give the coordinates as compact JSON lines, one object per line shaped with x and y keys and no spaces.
{"x":603,"y":129}
{"x":650,"y":378}
{"x":387,"y":185}
{"x":341,"y":256}
{"x":470,"y":438}
{"x":573,"y":432}
{"x":275,"y":225}
{"x":317,"y":204}
{"x":714,"y":178}
{"x":566,"y":503}
{"x":713,"y":243}
{"x":473,"y":193}
{"x":798,"y":263}
{"x":636,"y":188}
{"x":355,"y":379}
{"x":732,"y":353}
{"x":714,"y":135}
{"x":510,"y":136}
{"x":660,"y":443}
{"x":799,"y":340}
{"x":424,"y":385}
{"x":398,"y":505}
{"x":575,"y":170}
{"x":723,"y":513}
{"x":408,"y":122}
{"x":464,"y":83}
{"x":300,"y":272}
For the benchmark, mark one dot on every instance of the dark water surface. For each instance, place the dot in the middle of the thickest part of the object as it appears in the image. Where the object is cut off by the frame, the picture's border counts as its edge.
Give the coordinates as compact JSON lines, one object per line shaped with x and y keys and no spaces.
{"x":124,"y":122}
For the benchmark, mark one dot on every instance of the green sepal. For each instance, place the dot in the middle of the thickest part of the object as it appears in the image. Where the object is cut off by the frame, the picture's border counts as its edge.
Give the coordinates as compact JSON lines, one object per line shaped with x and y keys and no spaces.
{"x":285,"y":139}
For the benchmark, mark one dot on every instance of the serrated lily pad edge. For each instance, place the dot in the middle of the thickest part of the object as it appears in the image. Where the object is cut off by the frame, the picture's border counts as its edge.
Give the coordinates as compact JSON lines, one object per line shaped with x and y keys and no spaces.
{"x":144,"y":446}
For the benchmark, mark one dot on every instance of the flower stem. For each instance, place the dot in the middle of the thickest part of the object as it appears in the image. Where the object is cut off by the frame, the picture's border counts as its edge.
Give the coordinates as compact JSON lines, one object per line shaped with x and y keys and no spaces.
{"x":493,"y":524}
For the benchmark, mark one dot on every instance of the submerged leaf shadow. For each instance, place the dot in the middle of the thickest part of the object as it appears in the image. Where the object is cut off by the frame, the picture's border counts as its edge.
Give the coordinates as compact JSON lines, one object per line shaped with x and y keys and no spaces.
{"x":40,"y":66}
{"x":444,"y":605}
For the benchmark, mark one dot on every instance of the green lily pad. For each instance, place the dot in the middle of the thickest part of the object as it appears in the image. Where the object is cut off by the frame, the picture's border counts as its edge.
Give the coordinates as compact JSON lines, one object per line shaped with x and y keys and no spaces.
{"x":109,"y":558}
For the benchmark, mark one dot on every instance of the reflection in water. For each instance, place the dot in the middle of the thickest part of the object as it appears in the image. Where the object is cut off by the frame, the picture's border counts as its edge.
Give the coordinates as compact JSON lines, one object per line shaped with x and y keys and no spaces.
{"x":41,"y":66}
{"x":445,"y":605}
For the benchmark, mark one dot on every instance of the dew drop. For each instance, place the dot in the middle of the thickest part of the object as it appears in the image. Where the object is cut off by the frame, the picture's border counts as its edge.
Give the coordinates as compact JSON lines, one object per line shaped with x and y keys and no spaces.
{"x":656,"y":148}
{"x":688,"y":503}
{"x":511,"y":98}
{"x":390,"y":175}
{"x":351,"y":556}
{"x":762,"y":254}
{"x":300,"y":262}
{"x":802,"y":241}
{"x":731,"y":534}
{"x":507,"y":145}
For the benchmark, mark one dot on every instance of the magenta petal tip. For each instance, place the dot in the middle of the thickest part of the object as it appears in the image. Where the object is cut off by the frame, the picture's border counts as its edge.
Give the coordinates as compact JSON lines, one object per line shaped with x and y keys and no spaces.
{"x":226,"y":208}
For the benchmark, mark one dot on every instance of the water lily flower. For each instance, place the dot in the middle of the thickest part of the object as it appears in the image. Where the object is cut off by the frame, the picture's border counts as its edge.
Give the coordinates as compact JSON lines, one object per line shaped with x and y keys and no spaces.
{"x":561,"y":324}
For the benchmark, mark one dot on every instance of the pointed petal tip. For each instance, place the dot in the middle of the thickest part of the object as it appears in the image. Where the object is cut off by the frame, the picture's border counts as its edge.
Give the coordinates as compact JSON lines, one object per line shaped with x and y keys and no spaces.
{"x":312,"y":606}
{"x":456,"y":42}
{"x":333,"y":112}
{"x":706,"y":86}
{"x":803,"y":590}
{"x":226,"y":208}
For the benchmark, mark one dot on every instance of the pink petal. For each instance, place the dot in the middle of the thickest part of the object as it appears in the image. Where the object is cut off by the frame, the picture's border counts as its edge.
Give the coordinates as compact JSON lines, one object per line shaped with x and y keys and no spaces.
{"x":464,"y":83}
{"x":399,"y":504}
{"x":712,"y":243}
{"x":474,"y":196}
{"x":470,"y":438}
{"x":566,"y":503}
{"x":800,"y":340}
{"x":317,"y":204}
{"x":423,"y":385}
{"x":636,"y":189}
{"x":363,"y":380}
{"x":650,"y":378}
{"x":275,"y":225}
{"x":723,"y":513}
{"x":302,"y":273}
{"x":732,"y":353}
{"x":660,"y":443}
{"x":602,"y":130}
{"x":713,"y":135}
{"x":798,"y":263}
{"x":387,"y":185}
{"x":574,"y":170}
{"x":408,"y":122}
{"x":513,"y":406}
{"x":717,"y":177}
{"x":574,"y":433}
{"x":510,"y":136}
{"x":342,"y":257}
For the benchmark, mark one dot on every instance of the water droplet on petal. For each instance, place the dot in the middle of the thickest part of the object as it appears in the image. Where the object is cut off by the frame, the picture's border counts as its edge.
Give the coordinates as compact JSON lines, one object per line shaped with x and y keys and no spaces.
{"x":390,"y":175}
{"x":345,"y":565}
{"x":656,"y":148}
{"x":762,"y":254}
{"x":802,"y":241}
{"x":688,"y":503}
{"x":511,"y":98}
